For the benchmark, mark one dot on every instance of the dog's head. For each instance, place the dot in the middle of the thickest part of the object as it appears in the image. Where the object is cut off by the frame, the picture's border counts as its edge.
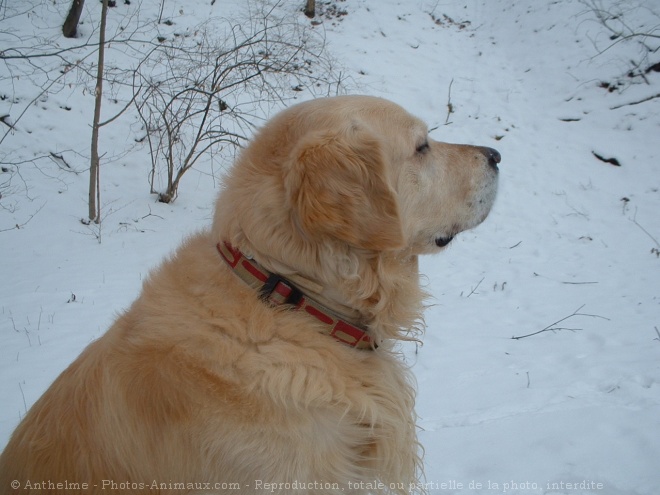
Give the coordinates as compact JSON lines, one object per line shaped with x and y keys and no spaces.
{"x":363,"y":172}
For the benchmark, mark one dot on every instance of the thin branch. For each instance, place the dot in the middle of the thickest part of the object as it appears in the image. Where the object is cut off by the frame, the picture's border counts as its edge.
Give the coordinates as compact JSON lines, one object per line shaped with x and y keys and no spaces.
{"x":23,"y":395}
{"x":5,"y":119}
{"x":121,"y":112}
{"x":21,"y":225}
{"x":635,"y":102}
{"x":476,"y":287}
{"x":60,"y":159}
{"x":19,"y":55}
{"x":634,"y":220}
{"x":450,"y":106}
{"x":553,"y":328}
{"x":151,"y":215}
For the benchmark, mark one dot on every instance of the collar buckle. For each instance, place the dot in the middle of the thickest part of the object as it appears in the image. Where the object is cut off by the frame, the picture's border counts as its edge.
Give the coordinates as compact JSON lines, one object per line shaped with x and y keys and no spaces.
{"x":277,"y":290}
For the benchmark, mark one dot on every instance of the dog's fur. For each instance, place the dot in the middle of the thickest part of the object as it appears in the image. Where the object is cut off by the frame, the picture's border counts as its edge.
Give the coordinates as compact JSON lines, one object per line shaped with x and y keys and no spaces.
{"x":201,"y":381}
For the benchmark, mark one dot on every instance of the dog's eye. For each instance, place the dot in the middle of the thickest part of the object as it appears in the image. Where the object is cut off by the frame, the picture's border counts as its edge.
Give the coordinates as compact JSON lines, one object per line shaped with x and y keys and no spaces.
{"x":423,"y":148}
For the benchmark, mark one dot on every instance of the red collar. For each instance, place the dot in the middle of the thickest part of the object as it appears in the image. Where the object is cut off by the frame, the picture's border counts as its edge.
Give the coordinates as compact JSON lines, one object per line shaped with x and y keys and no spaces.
{"x":278,"y":291}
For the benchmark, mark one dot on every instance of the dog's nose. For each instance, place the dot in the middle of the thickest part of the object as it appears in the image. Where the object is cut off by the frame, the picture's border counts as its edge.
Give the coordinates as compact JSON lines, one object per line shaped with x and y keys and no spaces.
{"x":492,"y":155}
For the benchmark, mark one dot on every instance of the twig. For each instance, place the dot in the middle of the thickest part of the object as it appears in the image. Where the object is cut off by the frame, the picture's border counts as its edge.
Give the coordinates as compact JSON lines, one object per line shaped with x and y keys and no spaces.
{"x":20,"y":226}
{"x":611,"y":161}
{"x":151,"y":215}
{"x":435,"y":7}
{"x":121,"y":112}
{"x":475,"y":289}
{"x":60,"y":157}
{"x":566,"y":282}
{"x":658,"y":332}
{"x":23,"y":395}
{"x":5,"y":120}
{"x":635,"y":102}
{"x":450,"y":107}
{"x":553,"y":328}
{"x":634,"y":220}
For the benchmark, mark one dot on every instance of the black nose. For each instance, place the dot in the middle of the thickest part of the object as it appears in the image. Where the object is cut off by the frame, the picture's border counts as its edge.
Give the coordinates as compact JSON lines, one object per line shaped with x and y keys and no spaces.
{"x":493,"y":156}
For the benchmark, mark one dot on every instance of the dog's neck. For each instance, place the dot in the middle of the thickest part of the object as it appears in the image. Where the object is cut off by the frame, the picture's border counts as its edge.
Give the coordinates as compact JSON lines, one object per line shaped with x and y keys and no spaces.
{"x":323,"y":294}
{"x":381,"y":294}
{"x":277,"y":290}
{"x":327,"y":298}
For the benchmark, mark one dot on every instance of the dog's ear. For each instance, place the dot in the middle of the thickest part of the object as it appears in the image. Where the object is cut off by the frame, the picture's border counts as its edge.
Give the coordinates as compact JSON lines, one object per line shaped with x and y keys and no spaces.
{"x":337,"y":186}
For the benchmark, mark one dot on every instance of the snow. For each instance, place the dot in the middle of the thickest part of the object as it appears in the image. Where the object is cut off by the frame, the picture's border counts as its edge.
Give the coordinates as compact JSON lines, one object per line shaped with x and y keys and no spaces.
{"x":571,"y":411}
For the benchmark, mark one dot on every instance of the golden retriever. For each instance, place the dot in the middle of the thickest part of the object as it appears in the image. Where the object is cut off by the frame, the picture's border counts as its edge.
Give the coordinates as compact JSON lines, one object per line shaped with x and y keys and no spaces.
{"x":262,"y":357}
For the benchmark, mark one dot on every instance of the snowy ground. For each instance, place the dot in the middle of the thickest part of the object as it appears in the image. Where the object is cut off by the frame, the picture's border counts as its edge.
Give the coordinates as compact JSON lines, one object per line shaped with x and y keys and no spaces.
{"x":571,"y":411}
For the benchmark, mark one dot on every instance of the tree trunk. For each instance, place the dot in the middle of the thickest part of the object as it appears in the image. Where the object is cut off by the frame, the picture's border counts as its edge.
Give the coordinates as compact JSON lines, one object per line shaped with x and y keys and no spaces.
{"x":94,"y":182}
{"x":310,"y":8}
{"x":70,"y":26}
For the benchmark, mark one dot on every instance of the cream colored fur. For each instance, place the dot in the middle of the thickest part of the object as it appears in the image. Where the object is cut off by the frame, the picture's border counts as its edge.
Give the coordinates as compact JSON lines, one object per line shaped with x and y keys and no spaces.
{"x":202,"y":382}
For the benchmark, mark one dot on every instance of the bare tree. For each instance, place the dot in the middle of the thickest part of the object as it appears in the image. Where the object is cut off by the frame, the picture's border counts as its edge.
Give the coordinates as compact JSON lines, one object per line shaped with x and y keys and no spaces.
{"x":203,"y":100}
{"x":44,"y":68}
{"x":199,"y":96}
{"x":70,"y":26}
{"x":94,"y":181}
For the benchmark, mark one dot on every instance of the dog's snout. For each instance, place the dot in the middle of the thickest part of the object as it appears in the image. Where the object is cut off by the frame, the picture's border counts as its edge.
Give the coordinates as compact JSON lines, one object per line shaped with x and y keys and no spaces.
{"x":492,"y":155}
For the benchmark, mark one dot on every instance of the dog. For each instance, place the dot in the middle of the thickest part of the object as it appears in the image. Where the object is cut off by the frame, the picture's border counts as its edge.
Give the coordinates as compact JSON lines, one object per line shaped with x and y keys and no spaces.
{"x":264,"y":356}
